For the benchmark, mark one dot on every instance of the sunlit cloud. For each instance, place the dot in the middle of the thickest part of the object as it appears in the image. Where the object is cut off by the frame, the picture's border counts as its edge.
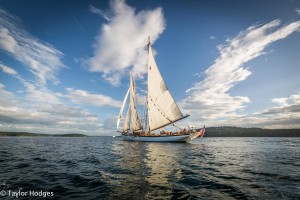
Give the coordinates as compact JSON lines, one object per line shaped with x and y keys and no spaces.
{"x":210,"y":99}
{"x":84,"y":97}
{"x":43,"y":116}
{"x":7,"y":69}
{"x":122,"y":40}
{"x":281,"y":101}
{"x":286,"y":114}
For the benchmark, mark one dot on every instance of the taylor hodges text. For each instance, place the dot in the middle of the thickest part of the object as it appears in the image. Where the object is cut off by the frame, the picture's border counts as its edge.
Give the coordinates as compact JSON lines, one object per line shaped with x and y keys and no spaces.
{"x":29,"y":194}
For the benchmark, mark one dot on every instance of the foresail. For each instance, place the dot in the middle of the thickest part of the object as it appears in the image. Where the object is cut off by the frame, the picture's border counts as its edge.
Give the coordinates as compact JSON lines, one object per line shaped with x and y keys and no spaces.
{"x":126,"y":125}
{"x":162,"y":109}
{"x":122,"y":108}
{"x":136,"y":123}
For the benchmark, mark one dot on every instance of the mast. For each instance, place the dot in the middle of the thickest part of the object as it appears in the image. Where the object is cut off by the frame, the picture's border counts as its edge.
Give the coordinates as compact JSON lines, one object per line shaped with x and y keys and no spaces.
{"x":162,"y":108}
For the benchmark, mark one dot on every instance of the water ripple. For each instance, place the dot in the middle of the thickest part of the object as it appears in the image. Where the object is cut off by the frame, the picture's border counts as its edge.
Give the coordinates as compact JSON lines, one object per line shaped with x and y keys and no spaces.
{"x":108,"y":168}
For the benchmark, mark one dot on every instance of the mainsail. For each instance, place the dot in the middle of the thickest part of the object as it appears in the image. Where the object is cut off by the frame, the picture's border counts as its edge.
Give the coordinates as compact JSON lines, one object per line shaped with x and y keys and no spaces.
{"x":162,"y":109}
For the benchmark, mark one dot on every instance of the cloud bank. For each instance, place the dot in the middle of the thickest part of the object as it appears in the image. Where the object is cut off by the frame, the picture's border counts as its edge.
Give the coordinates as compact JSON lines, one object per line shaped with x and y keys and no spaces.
{"x":122,"y":40}
{"x":210,"y":99}
{"x":285,"y":115}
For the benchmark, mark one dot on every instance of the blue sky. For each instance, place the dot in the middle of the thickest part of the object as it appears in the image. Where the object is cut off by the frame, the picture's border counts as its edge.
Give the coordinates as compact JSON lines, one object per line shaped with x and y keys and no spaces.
{"x":64,"y":65}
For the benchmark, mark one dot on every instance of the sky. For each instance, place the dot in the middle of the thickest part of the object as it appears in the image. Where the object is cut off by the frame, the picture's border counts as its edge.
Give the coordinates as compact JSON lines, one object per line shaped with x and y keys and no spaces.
{"x":64,"y":65}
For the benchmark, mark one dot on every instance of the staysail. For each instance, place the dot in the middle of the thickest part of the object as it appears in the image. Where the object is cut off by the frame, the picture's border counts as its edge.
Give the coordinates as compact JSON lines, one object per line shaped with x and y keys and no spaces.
{"x":122,"y":108}
{"x":136,"y":123}
{"x":162,"y":109}
{"x":126,"y":125}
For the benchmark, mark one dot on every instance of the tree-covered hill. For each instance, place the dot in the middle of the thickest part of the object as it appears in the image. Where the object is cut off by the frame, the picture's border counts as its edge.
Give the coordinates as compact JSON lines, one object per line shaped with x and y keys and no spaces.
{"x":26,"y":134}
{"x":225,"y":131}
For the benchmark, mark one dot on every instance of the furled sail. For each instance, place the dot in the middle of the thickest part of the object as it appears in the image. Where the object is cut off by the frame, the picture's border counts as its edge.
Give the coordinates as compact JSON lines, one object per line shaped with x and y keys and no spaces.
{"x":122,"y":108}
{"x":136,"y":123}
{"x":162,"y":109}
{"x":126,"y":125}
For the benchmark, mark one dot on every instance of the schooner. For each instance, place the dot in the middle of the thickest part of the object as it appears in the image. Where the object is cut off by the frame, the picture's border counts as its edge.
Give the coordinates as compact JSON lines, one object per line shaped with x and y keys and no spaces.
{"x":161,"y":111}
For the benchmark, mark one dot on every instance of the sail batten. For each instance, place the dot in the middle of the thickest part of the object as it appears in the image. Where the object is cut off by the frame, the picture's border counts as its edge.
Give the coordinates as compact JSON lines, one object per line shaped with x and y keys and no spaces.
{"x":162,"y":108}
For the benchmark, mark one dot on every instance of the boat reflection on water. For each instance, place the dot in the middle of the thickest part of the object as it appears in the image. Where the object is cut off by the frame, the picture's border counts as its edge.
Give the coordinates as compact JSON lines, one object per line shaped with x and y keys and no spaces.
{"x":144,"y":171}
{"x":128,"y":172}
{"x":164,"y":170}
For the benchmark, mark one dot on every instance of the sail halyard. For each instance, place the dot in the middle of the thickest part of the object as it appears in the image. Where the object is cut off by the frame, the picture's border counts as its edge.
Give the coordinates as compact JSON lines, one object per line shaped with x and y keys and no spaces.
{"x":136,"y":123}
{"x":162,"y":108}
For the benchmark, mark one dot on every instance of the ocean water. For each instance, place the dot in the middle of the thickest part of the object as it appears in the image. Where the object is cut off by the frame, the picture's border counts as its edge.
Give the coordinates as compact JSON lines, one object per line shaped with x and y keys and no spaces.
{"x":109,"y":168}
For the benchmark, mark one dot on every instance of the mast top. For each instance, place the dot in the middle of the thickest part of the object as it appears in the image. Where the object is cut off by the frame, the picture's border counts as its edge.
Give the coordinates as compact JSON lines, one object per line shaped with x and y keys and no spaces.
{"x":149,"y":42}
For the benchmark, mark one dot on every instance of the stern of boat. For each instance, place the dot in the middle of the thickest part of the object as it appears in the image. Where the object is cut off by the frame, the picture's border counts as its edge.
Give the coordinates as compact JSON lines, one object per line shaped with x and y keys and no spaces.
{"x":196,"y":134}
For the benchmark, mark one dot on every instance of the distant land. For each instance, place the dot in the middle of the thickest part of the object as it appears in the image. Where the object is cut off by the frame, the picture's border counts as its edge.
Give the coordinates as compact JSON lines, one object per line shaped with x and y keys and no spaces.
{"x":26,"y":134}
{"x":229,"y":131}
{"x":223,"y":131}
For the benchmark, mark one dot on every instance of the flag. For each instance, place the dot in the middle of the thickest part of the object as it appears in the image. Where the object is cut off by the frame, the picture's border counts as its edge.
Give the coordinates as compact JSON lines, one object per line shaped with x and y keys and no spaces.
{"x":202,"y":131}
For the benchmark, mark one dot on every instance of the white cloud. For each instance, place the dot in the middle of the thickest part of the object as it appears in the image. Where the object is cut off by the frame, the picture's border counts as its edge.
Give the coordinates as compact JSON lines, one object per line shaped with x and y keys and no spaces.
{"x":7,"y":42}
{"x":100,"y":12}
{"x":43,"y":116}
{"x":122,"y":40}
{"x":280,"y":101}
{"x":41,"y":95}
{"x":40,"y":58}
{"x":286,"y":115}
{"x":38,"y":109}
{"x":63,"y":110}
{"x":7,"y":99}
{"x":84,"y":97}
{"x":7,"y":70}
{"x":298,"y":11}
{"x":210,"y":99}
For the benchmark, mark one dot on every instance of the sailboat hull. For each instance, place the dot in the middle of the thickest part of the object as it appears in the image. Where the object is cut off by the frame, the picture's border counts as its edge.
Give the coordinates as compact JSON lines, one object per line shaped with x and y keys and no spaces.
{"x":173,"y":138}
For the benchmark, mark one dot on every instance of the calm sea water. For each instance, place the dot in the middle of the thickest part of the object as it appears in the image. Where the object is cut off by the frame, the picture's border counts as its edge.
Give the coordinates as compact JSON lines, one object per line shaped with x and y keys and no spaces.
{"x":109,"y":168}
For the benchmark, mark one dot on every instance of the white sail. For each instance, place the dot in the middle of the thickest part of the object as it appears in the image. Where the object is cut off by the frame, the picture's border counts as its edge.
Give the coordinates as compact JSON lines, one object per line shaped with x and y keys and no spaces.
{"x":126,"y":125}
{"x":162,"y":109}
{"x":122,"y":108}
{"x":136,"y":123}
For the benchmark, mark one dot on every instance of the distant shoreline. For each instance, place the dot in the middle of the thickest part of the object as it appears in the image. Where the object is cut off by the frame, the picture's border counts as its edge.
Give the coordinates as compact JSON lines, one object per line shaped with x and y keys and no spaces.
{"x":229,"y":131}
{"x":27,"y":134}
{"x":223,"y":131}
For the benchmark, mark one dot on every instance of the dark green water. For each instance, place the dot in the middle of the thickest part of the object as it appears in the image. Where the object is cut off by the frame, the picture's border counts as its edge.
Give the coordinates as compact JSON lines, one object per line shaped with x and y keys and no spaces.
{"x":108,"y":168}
